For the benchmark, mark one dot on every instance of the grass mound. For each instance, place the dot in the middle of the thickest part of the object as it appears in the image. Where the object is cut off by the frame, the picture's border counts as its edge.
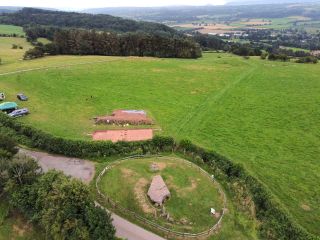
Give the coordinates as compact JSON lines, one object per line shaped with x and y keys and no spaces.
{"x":192,"y":192}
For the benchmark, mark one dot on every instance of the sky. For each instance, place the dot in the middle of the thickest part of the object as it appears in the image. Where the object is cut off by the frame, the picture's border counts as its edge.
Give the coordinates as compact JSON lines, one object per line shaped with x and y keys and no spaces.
{"x":82,"y":4}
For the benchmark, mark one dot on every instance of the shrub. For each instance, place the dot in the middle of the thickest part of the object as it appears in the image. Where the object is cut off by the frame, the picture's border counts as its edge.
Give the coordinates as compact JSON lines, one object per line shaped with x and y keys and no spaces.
{"x":33,"y":53}
{"x":308,"y":59}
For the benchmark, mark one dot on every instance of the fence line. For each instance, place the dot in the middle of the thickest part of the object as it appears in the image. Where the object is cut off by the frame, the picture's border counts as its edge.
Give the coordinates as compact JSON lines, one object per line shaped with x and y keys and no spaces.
{"x":151,"y":223}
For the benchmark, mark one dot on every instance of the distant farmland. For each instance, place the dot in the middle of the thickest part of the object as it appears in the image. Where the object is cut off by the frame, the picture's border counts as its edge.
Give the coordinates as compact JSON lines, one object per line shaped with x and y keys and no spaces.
{"x":9,"y":29}
{"x":262,"y":114}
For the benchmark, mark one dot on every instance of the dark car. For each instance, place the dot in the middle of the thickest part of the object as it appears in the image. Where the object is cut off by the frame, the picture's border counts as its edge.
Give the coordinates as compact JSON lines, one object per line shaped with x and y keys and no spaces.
{"x":22,"y":97}
{"x":19,"y":113}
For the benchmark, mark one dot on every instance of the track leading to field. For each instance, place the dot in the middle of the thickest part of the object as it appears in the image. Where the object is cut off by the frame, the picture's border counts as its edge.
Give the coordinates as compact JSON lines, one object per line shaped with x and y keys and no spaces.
{"x":84,"y":171}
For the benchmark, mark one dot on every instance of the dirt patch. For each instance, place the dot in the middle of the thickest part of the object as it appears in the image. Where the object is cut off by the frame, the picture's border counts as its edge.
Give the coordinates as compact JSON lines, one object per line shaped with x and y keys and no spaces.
{"x":127,"y":172}
{"x":198,"y":68}
{"x":158,"y":70}
{"x":123,"y":135}
{"x":306,"y":207}
{"x":20,"y":231}
{"x":193,"y":186}
{"x":161,"y":165}
{"x":141,"y":196}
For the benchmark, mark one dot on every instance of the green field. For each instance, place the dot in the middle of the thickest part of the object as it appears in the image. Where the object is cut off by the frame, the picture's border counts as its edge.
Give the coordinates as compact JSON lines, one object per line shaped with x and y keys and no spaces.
{"x":10,"y":29}
{"x":262,"y":114}
{"x":9,"y":55}
{"x":189,"y":188}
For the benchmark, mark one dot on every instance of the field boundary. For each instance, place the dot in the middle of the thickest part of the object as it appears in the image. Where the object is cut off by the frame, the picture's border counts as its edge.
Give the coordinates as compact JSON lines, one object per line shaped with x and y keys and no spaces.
{"x":275,"y":220}
{"x":152,"y":223}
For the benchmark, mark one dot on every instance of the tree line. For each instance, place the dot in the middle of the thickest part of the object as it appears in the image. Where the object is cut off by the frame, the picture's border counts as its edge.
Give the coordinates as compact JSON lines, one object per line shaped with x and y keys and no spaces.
{"x":62,"y":207}
{"x":85,"y":42}
{"x":32,"y":16}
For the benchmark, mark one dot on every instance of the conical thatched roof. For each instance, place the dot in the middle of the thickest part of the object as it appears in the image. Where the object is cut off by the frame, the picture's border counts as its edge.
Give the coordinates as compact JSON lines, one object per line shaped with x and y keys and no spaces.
{"x":158,"y":191}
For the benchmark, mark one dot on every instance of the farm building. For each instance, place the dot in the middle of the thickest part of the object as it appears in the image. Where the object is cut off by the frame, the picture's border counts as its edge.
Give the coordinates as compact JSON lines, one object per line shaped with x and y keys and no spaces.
{"x":134,"y":117}
{"x":8,"y":106}
{"x":158,"y":191}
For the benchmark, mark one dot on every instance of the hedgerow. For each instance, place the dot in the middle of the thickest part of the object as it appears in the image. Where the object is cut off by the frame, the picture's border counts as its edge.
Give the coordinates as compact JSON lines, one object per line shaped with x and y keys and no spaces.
{"x":82,"y":148}
{"x":276,"y":222}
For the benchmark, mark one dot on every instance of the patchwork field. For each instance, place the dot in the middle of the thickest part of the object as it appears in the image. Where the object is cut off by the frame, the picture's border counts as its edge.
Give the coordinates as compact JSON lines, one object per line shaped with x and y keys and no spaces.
{"x":262,"y":114}
{"x":189,"y":189}
{"x":10,"y":29}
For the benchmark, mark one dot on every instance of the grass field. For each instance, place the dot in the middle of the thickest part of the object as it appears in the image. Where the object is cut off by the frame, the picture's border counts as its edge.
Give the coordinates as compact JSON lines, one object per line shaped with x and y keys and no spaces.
{"x":9,"y":55}
{"x":10,"y":29}
{"x":262,"y":114}
{"x":188,"y":187}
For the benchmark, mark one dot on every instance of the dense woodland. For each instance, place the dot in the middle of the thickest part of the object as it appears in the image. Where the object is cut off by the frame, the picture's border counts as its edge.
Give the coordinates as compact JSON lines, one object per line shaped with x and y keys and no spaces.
{"x":85,"y":42}
{"x":31,"y":16}
{"x":61,"y":207}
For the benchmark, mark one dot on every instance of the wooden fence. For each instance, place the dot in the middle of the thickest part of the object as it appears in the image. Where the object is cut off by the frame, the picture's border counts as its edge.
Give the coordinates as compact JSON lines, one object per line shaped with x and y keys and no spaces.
{"x":152,"y":224}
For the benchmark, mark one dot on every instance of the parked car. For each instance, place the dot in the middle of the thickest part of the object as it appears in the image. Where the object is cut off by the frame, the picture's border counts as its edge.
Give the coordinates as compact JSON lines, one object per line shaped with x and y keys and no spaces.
{"x":22,"y":97}
{"x":19,"y":113}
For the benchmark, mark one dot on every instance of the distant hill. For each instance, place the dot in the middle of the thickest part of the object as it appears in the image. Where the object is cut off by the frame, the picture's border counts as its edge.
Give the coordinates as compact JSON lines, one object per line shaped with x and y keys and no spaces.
{"x":235,"y":11}
{"x":32,"y":16}
{"x":249,"y":2}
{"x":5,"y":9}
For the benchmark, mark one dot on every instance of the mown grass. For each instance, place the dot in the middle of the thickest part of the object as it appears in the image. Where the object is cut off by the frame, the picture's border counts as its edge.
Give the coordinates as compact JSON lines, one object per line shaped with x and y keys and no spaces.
{"x":189,"y":189}
{"x":262,"y":114}
{"x":10,"y":29}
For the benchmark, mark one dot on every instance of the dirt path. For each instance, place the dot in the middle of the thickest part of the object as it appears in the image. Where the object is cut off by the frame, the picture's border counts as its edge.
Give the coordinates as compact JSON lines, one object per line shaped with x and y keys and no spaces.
{"x":85,"y":170}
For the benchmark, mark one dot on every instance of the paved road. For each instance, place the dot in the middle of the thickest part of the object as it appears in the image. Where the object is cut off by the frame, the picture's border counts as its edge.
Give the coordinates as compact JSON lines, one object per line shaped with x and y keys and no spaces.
{"x":77,"y":168}
{"x":84,"y":170}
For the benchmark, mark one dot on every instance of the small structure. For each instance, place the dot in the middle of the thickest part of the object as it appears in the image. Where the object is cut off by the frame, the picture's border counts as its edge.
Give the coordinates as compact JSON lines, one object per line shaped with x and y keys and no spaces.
{"x":213,"y":211}
{"x":158,"y":191}
{"x":8,"y":106}
{"x":154,"y":167}
{"x":122,"y":117}
{"x":2,"y":96}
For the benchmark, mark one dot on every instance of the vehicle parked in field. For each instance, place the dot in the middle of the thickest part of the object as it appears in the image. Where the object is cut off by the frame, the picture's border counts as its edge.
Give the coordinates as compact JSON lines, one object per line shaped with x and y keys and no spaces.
{"x":22,"y":97}
{"x":2,"y":96}
{"x":19,"y":113}
{"x":8,"y":107}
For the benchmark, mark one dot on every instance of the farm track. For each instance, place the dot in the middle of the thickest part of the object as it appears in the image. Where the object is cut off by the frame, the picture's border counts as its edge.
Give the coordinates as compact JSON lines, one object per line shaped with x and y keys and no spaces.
{"x":55,"y":67}
{"x":199,"y":111}
{"x":78,"y":168}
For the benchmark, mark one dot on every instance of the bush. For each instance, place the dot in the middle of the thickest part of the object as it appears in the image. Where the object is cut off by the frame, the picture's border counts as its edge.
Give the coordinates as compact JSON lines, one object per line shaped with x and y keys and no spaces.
{"x":308,"y":59}
{"x":264,"y":55}
{"x":33,"y":53}
{"x":281,"y":57}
